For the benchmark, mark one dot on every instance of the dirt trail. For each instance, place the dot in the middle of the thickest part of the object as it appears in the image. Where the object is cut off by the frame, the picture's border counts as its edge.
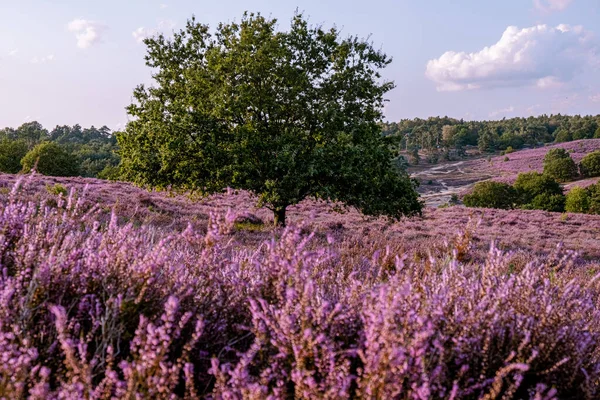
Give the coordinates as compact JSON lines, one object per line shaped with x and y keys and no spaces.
{"x":439,"y":182}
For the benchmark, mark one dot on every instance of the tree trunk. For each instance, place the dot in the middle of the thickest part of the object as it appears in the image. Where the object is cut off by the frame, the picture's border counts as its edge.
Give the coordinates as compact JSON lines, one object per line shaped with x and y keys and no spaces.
{"x":279,"y":216}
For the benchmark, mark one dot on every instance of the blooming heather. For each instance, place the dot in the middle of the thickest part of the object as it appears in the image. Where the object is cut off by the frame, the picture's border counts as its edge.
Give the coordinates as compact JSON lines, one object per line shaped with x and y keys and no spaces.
{"x":95,"y":307}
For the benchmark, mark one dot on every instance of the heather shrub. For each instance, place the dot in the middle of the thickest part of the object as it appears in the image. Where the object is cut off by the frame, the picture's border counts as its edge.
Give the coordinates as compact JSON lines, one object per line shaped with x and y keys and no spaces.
{"x":578,"y":200}
{"x":94,"y":309}
{"x":559,"y":165}
{"x":590,"y":165}
{"x":50,"y":159}
{"x":490,"y":194}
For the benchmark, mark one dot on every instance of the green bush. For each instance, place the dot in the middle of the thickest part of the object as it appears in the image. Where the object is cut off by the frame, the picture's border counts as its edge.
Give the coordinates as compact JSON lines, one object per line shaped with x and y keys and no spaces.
{"x":490,"y":194}
{"x":590,"y":165}
{"x":578,"y":200}
{"x":57,"y":189}
{"x":594,"y":192}
{"x":559,"y":165}
{"x":548,"y":202}
{"x":11,"y":153}
{"x":110,"y":173}
{"x":50,"y":159}
{"x":529,"y":185}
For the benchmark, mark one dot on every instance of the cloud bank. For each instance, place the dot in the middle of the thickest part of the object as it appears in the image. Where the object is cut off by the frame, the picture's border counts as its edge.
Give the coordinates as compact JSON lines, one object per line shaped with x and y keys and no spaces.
{"x":539,"y":56}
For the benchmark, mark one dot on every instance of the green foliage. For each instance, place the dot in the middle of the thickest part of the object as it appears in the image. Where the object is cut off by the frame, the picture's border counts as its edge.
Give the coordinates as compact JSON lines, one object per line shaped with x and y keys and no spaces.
{"x":594,"y":191}
{"x":590,"y":165}
{"x":110,"y":173}
{"x":559,"y":165}
{"x":57,"y":189}
{"x":532,"y":184}
{"x":563,"y":135}
{"x":50,"y":159}
{"x":11,"y":153}
{"x":284,"y":114}
{"x":487,"y":141}
{"x":453,"y":134}
{"x":94,"y":149}
{"x":578,"y":200}
{"x":597,"y":133}
{"x":490,"y":194}
{"x":547,"y":202}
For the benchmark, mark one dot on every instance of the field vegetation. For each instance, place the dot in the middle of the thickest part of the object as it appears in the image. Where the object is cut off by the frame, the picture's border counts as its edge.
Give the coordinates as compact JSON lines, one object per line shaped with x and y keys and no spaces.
{"x":96,"y":308}
{"x":258,"y":234}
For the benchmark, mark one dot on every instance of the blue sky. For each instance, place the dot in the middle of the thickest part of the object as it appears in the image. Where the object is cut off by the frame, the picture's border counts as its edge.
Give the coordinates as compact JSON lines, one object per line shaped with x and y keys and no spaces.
{"x":73,"y":61}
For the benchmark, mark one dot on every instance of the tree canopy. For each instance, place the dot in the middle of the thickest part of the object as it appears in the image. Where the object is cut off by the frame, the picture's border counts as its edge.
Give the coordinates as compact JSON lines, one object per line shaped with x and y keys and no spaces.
{"x":50,"y":159}
{"x":284,"y":114}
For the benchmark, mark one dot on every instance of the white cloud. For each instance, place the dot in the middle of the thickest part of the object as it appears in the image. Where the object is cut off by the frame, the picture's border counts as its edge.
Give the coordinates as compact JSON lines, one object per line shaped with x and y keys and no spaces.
{"x":551,"y":5}
{"x":503,"y":111}
{"x":142,"y":33}
{"x":13,"y":52}
{"x":163,"y":6}
{"x":166,"y":24}
{"x":87,"y":32}
{"x":548,"y":82}
{"x":595,"y":98}
{"x":43,"y":60}
{"x":541,"y":55}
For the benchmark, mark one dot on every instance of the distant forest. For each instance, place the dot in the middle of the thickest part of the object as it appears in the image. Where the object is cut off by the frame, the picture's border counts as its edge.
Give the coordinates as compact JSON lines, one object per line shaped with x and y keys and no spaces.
{"x":90,"y":152}
{"x":447,"y":138}
{"x":94,"y":151}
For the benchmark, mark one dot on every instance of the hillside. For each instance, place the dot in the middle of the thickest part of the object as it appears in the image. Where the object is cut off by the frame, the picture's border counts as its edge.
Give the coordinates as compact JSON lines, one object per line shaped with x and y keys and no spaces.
{"x":140,"y":304}
{"x":440,"y":181}
{"x":522,"y":231}
{"x":532,"y":159}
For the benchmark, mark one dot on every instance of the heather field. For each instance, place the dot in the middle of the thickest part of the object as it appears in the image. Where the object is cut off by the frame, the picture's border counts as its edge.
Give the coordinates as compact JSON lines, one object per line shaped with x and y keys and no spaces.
{"x":532,"y":159}
{"x":439,"y":182}
{"x":113,"y":292}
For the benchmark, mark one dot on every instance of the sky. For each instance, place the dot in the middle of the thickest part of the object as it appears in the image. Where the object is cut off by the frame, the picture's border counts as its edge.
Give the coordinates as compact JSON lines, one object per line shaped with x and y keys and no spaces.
{"x":66,"y":62}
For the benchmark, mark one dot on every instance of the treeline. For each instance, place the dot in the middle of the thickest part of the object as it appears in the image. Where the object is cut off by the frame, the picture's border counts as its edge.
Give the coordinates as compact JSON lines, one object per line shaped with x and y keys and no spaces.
{"x":444,"y":137}
{"x":63,"y":151}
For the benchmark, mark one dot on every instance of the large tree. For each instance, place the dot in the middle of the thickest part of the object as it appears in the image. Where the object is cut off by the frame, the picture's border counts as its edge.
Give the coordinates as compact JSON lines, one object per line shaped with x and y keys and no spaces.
{"x":284,"y":114}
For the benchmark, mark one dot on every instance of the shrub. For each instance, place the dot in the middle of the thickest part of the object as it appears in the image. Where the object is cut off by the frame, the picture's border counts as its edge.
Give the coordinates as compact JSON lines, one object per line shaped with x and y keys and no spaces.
{"x":94,"y":310}
{"x":57,"y":189}
{"x":506,"y":159}
{"x":563,"y":170}
{"x":11,"y":153}
{"x":578,"y":200}
{"x":594,"y":192}
{"x":529,"y":185}
{"x":548,"y":202}
{"x":559,"y":165}
{"x":590,"y":165}
{"x":50,"y":159}
{"x":110,"y":173}
{"x":490,"y":194}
